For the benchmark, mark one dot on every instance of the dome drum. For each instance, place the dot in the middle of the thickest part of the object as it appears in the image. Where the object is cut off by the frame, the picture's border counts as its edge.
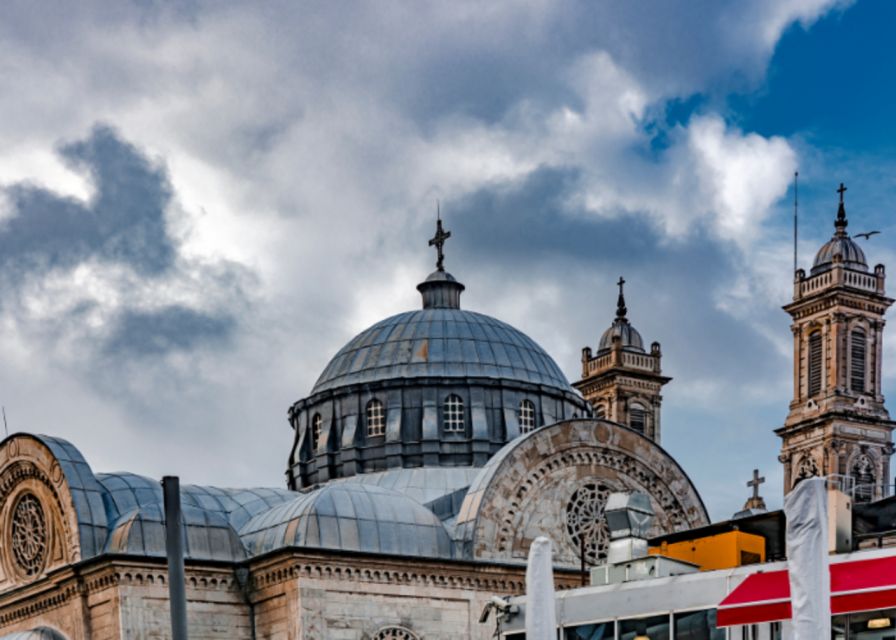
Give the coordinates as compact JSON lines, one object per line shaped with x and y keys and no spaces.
{"x":421,"y":427}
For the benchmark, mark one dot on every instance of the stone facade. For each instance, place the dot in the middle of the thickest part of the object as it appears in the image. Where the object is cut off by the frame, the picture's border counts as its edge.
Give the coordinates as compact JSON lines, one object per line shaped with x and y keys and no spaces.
{"x":622,"y":381}
{"x":838,"y":424}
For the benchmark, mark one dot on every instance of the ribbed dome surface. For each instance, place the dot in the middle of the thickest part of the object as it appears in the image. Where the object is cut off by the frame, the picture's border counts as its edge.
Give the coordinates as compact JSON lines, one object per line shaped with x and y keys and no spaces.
{"x":441,"y":342}
{"x":853,"y":256}
{"x":630,"y":337}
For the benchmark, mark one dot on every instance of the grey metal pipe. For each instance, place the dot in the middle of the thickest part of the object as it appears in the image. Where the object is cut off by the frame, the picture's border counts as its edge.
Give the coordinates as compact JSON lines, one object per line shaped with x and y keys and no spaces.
{"x":174,"y":546}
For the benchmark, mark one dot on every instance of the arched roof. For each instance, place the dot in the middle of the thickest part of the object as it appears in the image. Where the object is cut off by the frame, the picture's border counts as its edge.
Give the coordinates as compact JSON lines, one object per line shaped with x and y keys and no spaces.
{"x":440,"y":342}
{"x":848,"y":249}
{"x":350,"y":517}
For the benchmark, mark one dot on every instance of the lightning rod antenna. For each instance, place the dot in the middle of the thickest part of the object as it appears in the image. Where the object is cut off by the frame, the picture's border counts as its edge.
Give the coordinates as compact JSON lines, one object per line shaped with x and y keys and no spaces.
{"x":5,"y":428}
{"x":796,"y":175}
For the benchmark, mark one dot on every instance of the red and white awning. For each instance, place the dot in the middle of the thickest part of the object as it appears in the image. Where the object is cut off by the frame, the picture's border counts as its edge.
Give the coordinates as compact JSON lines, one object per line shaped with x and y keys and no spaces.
{"x":857,"y":585}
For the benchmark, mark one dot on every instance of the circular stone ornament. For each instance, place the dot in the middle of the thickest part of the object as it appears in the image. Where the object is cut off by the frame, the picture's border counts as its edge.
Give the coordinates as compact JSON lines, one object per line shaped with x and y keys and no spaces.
{"x":28,"y":534}
{"x":585,"y":521}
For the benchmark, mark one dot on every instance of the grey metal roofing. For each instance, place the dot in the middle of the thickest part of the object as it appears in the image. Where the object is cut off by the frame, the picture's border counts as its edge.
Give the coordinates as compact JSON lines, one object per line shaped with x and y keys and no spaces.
{"x":87,"y":494}
{"x":423,"y":484}
{"x":851,"y":252}
{"x":211,"y":516}
{"x":630,"y":337}
{"x":440,"y":342}
{"x":38,"y":633}
{"x":350,"y":517}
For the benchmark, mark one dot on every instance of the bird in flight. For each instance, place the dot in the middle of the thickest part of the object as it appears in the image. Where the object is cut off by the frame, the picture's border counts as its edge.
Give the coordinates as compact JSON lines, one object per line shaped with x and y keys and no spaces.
{"x":867,"y":234}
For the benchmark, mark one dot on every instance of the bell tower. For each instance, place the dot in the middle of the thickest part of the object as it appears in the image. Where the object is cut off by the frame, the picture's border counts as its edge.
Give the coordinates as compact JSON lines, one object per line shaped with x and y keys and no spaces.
{"x":837,"y":424}
{"x":622,"y":381}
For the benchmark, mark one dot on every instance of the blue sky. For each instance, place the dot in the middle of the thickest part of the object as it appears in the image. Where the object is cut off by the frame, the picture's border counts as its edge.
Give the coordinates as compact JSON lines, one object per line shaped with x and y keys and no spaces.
{"x":200,"y":203}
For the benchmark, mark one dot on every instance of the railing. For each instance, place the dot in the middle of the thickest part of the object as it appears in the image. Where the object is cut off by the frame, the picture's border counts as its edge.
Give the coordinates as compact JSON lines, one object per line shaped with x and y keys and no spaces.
{"x":859,"y":492}
{"x":854,"y":279}
{"x":644,"y":362}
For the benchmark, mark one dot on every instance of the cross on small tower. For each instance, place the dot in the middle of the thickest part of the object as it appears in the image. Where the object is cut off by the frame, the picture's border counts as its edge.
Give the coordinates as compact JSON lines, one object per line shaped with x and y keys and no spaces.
{"x":755,"y":482}
{"x":438,"y":241}
{"x":620,"y":302}
{"x":841,"y":191}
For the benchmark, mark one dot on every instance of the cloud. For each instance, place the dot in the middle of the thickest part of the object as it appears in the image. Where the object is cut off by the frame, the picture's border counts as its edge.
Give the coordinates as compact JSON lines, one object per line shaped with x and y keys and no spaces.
{"x":267,"y":179}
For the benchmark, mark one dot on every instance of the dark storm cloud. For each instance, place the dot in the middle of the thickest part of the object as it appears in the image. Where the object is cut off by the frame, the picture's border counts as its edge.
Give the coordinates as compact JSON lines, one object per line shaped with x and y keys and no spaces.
{"x":529,"y":228}
{"x":173,"y":328}
{"x":122,"y":224}
{"x":124,"y":221}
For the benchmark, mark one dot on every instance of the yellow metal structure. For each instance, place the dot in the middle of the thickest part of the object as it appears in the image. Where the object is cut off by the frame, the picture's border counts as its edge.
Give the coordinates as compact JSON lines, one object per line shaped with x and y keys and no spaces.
{"x":721,"y":551}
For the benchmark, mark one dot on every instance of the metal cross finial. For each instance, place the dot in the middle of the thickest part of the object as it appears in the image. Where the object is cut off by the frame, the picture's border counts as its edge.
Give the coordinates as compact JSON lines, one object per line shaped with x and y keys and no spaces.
{"x":841,"y":191}
{"x":755,"y":482}
{"x":438,"y":241}
{"x":620,"y":302}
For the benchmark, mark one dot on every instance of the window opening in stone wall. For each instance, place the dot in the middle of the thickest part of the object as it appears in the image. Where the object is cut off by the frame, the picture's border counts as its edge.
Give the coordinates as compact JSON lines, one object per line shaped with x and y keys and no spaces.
{"x":637,"y":417}
{"x":395,"y":633}
{"x":316,"y":423}
{"x":857,"y":360}
{"x":376,"y":418}
{"x":865,"y":482}
{"x":600,"y":411}
{"x":454,"y":414}
{"x":527,"y":416}
{"x":815,"y":363}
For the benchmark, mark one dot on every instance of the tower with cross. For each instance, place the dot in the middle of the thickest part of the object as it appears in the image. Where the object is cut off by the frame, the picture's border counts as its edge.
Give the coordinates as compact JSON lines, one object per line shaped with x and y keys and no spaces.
{"x":838,"y":424}
{"x":621,"y":379}
{"x":755,"y":501}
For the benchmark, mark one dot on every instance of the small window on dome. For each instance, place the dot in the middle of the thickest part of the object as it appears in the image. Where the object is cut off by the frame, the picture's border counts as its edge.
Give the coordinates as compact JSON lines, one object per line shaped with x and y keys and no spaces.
{"x":376,"y":418}
{"x":527,"y":416}
{"x":316,"y":424}
{"x":453,"y":418}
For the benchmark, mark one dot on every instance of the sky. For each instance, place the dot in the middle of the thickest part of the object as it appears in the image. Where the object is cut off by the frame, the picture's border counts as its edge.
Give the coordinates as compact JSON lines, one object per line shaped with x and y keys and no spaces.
{"x":201,"y":202}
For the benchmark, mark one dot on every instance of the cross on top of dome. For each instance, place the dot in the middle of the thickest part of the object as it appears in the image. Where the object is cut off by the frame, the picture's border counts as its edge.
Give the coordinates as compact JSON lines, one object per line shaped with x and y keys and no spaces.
{"x":438,"y":241}
{"x":841,"y":222}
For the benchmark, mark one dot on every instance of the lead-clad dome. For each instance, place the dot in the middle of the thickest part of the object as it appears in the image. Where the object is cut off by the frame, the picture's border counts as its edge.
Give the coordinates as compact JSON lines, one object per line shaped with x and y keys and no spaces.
{"x":435,"y":387}
{"x":840,"y":247}
{"x":628,"y":336}
{"x":440,"y":343}
{"x":849,"y":251}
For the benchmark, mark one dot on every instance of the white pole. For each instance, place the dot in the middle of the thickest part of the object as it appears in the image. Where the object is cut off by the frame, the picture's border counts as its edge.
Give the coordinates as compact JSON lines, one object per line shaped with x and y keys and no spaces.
{"x":541,"y":611}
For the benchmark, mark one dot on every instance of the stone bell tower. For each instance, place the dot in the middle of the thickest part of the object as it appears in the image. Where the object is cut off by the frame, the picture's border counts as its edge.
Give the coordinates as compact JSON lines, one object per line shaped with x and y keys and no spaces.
{"x":622,"y":381}
{"x":838,"y":424}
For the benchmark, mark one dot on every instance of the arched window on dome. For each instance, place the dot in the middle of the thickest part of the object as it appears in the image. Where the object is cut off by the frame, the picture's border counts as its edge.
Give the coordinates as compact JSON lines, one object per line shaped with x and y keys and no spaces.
{"x":453,"y":414}
{"x":637,"y":417}
{"x":316,"y":424}
{"x":815,"y":363}
{"x":527,"y":416}
{"x":376,"y":418}
{"x":858,"y":347}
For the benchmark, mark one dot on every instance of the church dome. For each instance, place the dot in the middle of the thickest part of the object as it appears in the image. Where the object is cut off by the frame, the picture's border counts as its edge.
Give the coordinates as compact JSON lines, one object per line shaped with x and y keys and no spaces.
{"x":628,"y":335}
{"x":435,"y":387}
{"x":840,"y":247}
{"x":848,"y":249}
{"x":440,"y":342}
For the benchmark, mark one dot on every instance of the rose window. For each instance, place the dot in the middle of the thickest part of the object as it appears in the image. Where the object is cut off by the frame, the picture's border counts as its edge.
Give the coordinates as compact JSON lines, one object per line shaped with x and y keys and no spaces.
{"x":29,"y":535}
{"x":395,"y":633}
{"x":586,"y":524}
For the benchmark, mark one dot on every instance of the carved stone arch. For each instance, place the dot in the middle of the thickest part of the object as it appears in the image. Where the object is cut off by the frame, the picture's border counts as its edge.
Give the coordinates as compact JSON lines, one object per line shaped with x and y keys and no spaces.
{"x":553,"y":482}
{"x":41,"y":519}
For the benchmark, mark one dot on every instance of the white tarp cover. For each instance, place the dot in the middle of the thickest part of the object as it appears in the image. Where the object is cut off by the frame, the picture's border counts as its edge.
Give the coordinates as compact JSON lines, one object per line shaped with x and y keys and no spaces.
{"x":541,"y":612}
{"x":807,"y":560}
